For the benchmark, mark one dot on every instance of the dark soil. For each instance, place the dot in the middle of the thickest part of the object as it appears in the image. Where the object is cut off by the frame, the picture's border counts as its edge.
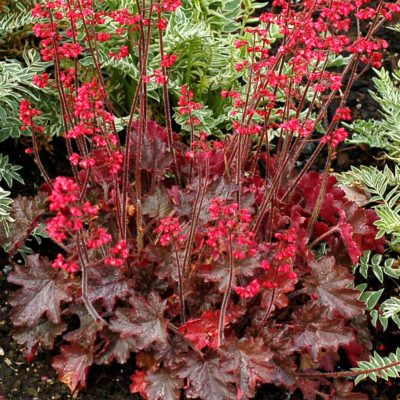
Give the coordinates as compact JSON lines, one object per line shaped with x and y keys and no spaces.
{"x":20,"y":380}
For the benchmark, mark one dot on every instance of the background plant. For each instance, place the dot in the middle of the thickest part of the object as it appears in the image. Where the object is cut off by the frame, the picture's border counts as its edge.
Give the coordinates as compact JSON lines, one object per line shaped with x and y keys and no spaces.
{"x":381,"y":187}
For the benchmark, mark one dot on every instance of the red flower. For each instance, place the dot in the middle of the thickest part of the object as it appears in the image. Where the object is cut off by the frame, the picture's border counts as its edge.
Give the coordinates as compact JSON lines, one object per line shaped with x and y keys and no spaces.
{"x":171,"y":5}
{"x":252,"y":289}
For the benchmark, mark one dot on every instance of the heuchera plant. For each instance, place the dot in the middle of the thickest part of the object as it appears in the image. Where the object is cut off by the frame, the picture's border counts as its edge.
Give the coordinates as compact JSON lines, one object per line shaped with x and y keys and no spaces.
{"x":221,"y":264}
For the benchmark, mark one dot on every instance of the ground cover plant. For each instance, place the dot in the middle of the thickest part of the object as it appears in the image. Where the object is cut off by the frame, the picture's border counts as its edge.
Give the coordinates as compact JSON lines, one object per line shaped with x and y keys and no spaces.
{"x":215,"y":258}
{"x":380,"y":187}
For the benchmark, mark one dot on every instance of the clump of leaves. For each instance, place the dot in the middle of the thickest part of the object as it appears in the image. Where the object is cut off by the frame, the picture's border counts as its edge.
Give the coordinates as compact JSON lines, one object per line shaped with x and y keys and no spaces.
{"x":309,"y":297}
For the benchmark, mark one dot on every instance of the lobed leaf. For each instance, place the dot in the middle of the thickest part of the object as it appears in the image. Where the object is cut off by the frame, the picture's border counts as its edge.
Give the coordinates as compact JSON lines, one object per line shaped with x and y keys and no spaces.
{"x":43,"y":290}
{"x":72,"y":366}
{"x":143,"y":320}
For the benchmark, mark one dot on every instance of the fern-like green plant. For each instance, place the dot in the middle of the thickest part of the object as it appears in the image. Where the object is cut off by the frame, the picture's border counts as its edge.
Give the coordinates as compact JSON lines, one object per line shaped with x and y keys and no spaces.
{"x":379,"y":367}
{"x":8,"y":172}
{"x":5,"y":210}
{"x":15,"y":19}
{"x":385,"y":132}
{"x":381,"y":269}
{"x":15,"y":84}
{"x":384,"y":186}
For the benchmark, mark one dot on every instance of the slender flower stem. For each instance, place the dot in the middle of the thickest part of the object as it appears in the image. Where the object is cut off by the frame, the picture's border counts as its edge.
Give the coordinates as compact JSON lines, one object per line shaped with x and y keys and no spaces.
{"x":224,"y":306}
{"x":84,"y":281}
{"x":321,"y":194}
{"x":38,"y":160}
{"x":180,"y":286}
{"x":144,"y":46}
{"x":197,"y":207}
{"x":96,"y":64}
{"x":323,"y":236}
{"x":167,"y":114}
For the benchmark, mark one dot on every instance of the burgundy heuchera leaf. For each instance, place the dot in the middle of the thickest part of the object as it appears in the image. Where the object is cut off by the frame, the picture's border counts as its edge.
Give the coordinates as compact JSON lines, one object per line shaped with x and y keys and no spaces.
{"x":174,"y":354}
{"x":115,"y":348}
{"x":249,"y":361}
{"x":329,"y":282}
{"x":206,"y":379}
{"x":41,"y":335}
{"x":107,"y":285}
{"x":26,"y":213}
{"x":144,"y":320}
{"x":163,"y":384}
{"x":44,"y":288}
{"x":314,"y":330}
{"x":203,"y":331}
{"x":72,"y":366}
{"x":86,"y":334}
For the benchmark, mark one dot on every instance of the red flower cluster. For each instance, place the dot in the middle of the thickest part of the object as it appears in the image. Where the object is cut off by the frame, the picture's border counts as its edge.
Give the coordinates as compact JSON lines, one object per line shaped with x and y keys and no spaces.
{"x":187,"y":105}
{"x":64,"y":199}
{"x":168,"y":60}
{"x":118,"y":254}
{"x":170,"y":231}
{"x":171,"y":5}
{"x":27,"y":114}
{"x":229,"y":231}
{"x":69,"y":266}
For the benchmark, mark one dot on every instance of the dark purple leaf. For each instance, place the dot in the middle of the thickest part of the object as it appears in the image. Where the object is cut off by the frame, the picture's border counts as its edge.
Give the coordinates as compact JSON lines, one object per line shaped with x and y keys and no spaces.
{"x":157,"y":204}
{"x":41,"y":335}
{"x":155,"y":153}
{"x":44,"y":288}
{"x":315,"y":331}
{"x":26,"y":212}
{"x":107,"y":285}
{"x":219,"y":271}
{"x":115,"y":348}
{"x":172,"y":355}
{"x":163,"y":384}
{"x":206,"y":379}
{"x":250,"y":361}
{"x":144,"y":320}
{"x":86,"y":334}
{"x":164,"y":260}
{"x":329,"y":282}
{"x":343,"y":390}
{"x":72,"y":366}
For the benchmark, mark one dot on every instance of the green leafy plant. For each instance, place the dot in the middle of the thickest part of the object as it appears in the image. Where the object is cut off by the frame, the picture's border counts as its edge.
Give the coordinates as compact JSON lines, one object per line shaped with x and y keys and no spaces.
{"x":384,"y":191}
{"x":383,"y":185}
{"x":15,"y":84}
{"x":381,"y":270}
{"x":5,"y":210}
{"x":15,"y":19}
{"x":385,"y":132}
{"x":379,"y":367}
{"x":8,"y":172}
